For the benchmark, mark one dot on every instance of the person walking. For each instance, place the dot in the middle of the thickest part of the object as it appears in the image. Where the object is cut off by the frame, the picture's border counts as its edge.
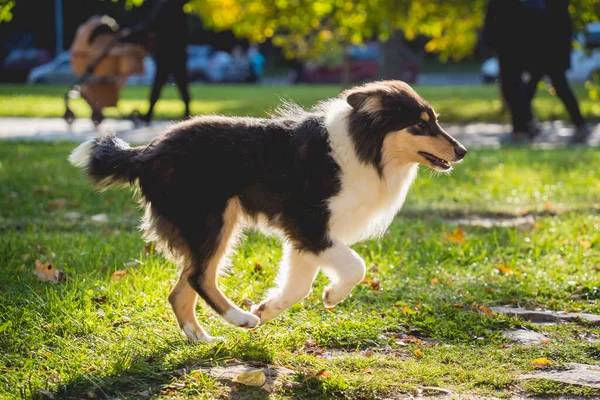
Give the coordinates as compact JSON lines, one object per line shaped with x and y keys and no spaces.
{"x":504,"y":30}
{"x":168,"y":22}
{"x":551,"y":55}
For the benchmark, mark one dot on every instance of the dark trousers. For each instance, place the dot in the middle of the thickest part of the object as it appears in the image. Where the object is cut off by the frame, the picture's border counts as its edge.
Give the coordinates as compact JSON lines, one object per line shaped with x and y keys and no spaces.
{"x":515,"y":93}
{"x":564,"y":92}
{"x":167,"y":64}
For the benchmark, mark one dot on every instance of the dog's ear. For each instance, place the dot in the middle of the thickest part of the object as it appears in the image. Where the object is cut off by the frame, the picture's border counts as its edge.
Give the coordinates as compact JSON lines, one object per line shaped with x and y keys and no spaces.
{"x":357,"y":99}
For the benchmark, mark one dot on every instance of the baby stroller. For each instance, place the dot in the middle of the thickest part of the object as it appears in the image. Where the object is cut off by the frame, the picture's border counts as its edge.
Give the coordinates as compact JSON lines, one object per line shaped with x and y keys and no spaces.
{"x":102,"y":63}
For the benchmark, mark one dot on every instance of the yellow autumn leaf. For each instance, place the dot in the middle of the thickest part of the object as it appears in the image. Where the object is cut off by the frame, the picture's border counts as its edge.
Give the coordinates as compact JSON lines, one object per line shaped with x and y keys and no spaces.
{"x":406,"y":310}
{"x":419,"y":353}
{"x":434,"y":281}
{"x":458,"y":236}
{"x":117,"y":275}
{"x":541,"y":361}
{"x":504,"y":270}
{"x":586,"y":244}
{"x":487,"y":311}
{"x":255,"y":377}
{"x":46,"y":272}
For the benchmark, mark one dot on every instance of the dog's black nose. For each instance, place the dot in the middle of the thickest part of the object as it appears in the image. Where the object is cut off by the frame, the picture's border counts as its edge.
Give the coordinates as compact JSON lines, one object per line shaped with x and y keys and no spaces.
{"x":460,"y":152}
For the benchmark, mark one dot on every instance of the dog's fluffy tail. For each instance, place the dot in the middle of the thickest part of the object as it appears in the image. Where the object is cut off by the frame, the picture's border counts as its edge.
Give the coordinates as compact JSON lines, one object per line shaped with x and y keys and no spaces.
{"x":108,"y":160}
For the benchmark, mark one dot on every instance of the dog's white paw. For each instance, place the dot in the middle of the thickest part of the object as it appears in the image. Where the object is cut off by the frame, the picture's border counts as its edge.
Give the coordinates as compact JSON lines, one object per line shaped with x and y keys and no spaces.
{"x":241,"y":318}
{"x":332,"y":295}
{"x":198,"y":335}
{"x":266,"y":311}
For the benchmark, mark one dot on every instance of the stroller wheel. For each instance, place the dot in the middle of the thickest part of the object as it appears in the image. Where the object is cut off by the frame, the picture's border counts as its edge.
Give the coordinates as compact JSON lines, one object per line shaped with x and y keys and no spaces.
{"x":69,"y":116}
{"x":97,"y":117}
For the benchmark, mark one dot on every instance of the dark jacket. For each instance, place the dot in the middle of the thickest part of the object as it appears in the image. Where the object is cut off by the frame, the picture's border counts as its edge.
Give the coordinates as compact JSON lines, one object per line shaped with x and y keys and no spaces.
{"x":168,"y":23}
{"x":504,"y":28}
{"x":558,"y":35}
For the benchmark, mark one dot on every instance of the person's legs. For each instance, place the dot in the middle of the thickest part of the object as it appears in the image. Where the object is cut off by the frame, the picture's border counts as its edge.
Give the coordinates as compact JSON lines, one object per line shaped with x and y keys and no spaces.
{"x":531,"y":86}
{"x":559,"y":81}
{"x":160,"y":78}
{"x":181,"y":78}
{"x":512,"y":89}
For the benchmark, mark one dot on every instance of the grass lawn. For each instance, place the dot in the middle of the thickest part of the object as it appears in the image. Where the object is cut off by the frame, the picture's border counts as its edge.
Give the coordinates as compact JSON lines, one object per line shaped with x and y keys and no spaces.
{"x":97,"y":337}
{"x":454,"y":103}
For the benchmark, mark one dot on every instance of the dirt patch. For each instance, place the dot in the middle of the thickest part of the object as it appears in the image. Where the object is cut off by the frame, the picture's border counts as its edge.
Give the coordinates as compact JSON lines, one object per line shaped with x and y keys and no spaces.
{"x":523,"y":222}
{"x":575,"y":374}
{"x":542,"y":316}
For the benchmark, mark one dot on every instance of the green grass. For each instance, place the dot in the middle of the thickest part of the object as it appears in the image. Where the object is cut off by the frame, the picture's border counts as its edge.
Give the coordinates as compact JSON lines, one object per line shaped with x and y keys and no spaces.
{"x":60,"y":338}
{"x":454,"y":103}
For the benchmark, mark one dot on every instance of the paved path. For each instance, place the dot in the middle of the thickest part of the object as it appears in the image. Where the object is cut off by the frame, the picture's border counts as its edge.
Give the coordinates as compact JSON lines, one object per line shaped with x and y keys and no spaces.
{"x":48,"y":129}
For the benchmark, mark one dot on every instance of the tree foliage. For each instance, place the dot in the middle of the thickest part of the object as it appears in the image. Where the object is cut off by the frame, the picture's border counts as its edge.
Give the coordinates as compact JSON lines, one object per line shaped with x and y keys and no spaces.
{"x":306,"y":28}
{"x":311,"y":28}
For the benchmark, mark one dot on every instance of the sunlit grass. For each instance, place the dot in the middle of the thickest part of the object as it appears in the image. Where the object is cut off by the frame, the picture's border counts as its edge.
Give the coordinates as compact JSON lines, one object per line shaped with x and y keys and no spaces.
{"x":63,"y":339}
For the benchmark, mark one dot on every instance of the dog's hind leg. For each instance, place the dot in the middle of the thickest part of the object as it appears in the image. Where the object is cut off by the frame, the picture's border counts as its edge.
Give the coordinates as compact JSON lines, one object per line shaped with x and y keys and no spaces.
{"x":296,"y":275}
{"x":345,"y":269}
{"x":183,"y":299}
{"x":215,"y":240}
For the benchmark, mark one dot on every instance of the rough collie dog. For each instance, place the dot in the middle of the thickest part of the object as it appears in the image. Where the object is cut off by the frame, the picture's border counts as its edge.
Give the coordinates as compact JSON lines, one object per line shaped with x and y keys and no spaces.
{"x":323,"y":179}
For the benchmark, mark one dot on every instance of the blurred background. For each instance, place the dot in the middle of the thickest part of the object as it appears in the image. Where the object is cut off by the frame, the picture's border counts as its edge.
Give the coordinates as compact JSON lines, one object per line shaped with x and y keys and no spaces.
{"x":278,"y":43}
{"x":424,"y":42}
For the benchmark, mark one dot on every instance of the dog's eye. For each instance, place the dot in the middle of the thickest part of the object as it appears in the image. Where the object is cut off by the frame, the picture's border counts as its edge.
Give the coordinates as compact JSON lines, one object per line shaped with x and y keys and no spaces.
{"x":422,"y":124}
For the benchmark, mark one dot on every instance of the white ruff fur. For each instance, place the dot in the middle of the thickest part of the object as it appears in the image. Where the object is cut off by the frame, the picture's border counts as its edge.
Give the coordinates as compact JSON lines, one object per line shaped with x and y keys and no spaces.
{"x":367,"y":204}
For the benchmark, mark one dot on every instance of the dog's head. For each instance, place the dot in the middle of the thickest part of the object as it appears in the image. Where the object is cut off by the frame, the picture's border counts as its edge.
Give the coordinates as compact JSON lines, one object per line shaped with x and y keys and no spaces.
{"x":391,"y":124}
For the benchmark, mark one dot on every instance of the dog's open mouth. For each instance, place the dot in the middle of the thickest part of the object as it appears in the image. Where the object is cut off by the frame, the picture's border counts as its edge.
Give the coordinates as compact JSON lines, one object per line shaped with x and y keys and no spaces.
{"x":436,"y":161}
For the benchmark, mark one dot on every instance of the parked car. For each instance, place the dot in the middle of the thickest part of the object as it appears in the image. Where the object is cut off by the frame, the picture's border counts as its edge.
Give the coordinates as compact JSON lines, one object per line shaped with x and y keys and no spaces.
{"x":203,"y":65}
{"x":19,"y":62}
{"x":585,"y":58}
{"x":197,"y":62}
{"x":363,"y":67}
{"x":56,"y":71}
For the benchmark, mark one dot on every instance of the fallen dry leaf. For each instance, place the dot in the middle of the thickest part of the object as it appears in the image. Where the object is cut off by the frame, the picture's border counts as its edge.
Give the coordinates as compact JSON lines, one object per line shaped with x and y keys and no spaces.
{"x":122,"y":321}
{"x":406,"y":310}
{"x":42,"y":190}
{"x":26,"y":257}
{"x":368,"y":371}
{"x":323,"y":373}
{"x":99,"y":299}
{"x":310,"y":343}
{"x":47,"y":273}
{"x":586,"y":244}
{"x":257,"y":267}
{"x":255,"y":377}
{"x":374,"y":283}
{"x":117,"y":275}
{"x":487,"y":311}
{"x":458,"y":236}
{"x":56,"y":204}
{"x":434,"y":281}
{"x":541,"y":362}
{"x":419,"y":353}
{"x":504,"y":270}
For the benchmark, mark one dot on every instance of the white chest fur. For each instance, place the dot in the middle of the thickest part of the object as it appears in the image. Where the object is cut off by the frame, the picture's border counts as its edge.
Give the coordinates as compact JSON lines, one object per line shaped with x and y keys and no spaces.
{"x":367,"y":204}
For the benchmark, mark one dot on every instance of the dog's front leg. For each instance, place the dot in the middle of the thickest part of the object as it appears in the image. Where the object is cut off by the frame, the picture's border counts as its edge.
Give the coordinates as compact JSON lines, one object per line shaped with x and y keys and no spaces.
{"x":345,"y":269}
{"x":294,"y":281}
